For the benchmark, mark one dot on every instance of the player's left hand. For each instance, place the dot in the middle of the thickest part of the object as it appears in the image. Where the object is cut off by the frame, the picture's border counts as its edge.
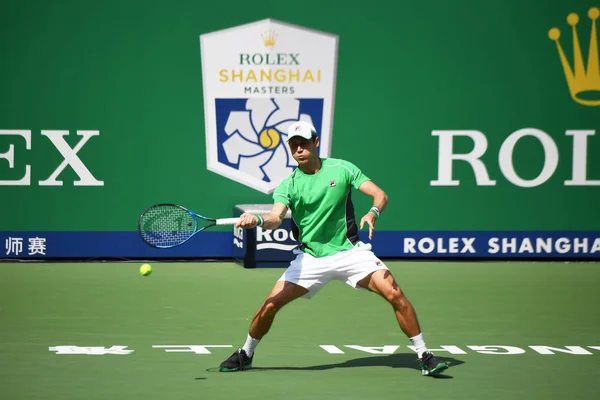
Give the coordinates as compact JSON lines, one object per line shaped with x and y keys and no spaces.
{"x":369,"y":218}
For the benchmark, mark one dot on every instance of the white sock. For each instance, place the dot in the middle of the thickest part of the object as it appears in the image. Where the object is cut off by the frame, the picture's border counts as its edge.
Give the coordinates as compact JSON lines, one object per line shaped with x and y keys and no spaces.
{"x":419,"y":344}
{"x":250,"y":345}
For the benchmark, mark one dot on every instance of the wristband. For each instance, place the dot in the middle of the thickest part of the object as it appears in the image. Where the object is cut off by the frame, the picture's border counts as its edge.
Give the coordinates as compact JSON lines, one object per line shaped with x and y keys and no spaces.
{"x":375,"y":210}
{"x":260,"y":219}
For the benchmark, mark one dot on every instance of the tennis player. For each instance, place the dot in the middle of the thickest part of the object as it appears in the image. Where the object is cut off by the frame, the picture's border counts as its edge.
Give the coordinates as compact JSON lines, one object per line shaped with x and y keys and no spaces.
{"x":318,"y":193}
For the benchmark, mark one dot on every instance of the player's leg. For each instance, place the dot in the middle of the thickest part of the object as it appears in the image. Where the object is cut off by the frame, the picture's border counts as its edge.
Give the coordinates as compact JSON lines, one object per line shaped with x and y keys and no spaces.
{"x":303,"y":278}
{"x":282,"y":293}
{"x":383,"y":283}
{"x":360,"y":268}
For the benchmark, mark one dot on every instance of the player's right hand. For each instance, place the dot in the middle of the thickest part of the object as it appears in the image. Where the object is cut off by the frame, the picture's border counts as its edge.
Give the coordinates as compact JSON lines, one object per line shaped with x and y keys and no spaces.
{"x":247,"y":221}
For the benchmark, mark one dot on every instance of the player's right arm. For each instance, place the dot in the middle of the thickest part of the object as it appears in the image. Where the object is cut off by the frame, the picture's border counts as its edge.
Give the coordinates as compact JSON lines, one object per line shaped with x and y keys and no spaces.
{"x":271,"y":220}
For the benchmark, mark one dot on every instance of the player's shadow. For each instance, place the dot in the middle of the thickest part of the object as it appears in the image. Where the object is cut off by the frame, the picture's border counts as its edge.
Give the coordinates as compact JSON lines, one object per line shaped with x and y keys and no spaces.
{"x":399,"y":360}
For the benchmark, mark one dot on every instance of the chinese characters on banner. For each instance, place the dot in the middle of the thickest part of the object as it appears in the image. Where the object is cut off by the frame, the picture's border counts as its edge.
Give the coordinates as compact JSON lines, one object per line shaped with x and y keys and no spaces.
{"x":35,"y":245}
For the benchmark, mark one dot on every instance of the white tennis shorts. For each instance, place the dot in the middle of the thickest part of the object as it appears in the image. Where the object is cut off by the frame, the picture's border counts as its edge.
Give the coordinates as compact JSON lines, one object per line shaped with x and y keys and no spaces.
{"x":349,"y":266}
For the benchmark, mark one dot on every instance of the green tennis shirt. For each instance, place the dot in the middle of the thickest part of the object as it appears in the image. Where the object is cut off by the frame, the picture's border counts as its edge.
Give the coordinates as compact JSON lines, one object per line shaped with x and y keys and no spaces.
{"x":321,"y":205}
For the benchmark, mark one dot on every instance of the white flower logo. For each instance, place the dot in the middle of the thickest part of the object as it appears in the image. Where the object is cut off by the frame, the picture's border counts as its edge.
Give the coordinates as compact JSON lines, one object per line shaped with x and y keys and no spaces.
{"x":257,"y":137}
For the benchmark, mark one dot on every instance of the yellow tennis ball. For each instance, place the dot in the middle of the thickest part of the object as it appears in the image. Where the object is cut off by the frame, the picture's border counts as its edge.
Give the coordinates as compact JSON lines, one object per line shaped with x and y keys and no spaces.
{"x":146,"y":269}
{"x":269,"y":138}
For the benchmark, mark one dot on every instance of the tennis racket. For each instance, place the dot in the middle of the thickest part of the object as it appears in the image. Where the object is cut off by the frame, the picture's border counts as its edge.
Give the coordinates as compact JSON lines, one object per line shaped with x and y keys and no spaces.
{"x":168,"y":225}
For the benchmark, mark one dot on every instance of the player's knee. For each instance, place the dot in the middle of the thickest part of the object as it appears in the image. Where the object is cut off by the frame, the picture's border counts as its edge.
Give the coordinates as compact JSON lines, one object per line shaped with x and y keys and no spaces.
{"x":270,"y":308}
{"x":396,"y":297}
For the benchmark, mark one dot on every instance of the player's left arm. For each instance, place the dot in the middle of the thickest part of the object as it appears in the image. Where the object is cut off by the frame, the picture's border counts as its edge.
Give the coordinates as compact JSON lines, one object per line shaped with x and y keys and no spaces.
{"x":380,"y":200}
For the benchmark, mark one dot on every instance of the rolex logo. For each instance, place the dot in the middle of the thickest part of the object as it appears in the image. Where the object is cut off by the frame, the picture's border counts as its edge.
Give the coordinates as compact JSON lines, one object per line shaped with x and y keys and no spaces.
{"x":269,"y":38}
{"x":583,"y":81}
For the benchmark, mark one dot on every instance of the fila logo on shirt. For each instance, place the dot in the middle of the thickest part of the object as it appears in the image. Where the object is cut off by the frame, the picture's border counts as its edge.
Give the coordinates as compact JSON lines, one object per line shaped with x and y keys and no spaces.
{"x":332,"y":183}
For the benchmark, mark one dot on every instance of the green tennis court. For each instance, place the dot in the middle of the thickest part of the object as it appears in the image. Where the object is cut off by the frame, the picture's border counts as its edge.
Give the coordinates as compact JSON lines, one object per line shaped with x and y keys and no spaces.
{"x":543,"y":316}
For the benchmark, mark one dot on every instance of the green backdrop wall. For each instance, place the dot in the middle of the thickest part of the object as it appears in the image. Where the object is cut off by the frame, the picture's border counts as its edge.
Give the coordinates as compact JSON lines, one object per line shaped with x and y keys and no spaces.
{"x":132,"y":71}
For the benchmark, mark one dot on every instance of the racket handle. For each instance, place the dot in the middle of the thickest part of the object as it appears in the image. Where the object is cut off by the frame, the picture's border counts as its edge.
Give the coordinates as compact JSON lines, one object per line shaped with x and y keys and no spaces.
{"x":227,"y":221}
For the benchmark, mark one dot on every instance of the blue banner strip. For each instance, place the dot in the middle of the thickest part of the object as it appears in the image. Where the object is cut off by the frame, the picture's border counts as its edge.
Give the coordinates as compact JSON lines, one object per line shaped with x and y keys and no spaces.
{"x":391,"y":244}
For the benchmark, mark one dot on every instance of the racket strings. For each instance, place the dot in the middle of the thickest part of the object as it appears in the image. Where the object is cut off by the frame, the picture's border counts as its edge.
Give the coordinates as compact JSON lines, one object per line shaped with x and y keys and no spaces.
{"x":166,"y":226}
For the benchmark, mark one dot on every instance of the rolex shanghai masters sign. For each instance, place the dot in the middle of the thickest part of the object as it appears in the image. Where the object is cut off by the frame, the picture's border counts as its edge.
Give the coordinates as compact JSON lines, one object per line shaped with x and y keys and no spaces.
{"x":257,"y":80}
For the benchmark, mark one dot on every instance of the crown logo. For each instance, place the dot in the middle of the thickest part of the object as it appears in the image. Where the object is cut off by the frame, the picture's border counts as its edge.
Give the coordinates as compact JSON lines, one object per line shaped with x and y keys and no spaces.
{"x":269,"y":38}
{"x":584,"y":84}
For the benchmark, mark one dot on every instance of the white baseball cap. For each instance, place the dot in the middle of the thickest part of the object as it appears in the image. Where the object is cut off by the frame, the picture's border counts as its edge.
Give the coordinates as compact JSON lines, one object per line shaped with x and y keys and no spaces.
{"x":302,"y":129}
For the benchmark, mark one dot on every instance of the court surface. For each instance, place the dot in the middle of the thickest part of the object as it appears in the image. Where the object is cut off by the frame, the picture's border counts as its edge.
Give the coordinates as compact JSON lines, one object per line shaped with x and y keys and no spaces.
{"x":187,"y":307}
